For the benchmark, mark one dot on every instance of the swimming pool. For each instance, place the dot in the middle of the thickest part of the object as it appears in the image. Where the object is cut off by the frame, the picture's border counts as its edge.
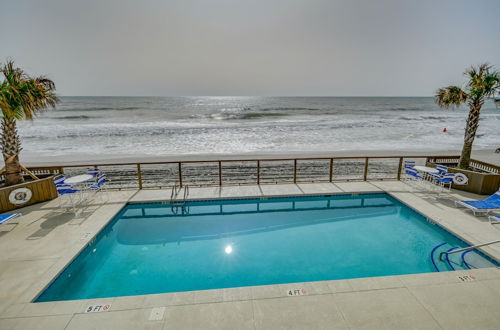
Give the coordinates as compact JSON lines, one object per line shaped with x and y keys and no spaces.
{"x":156,"y":248}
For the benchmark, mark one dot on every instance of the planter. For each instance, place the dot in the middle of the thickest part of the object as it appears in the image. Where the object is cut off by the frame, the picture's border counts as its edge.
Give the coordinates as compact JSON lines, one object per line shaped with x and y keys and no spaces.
{"x":27,"y":193}
{"x":486,"y":181}
{"x":479,"y":183}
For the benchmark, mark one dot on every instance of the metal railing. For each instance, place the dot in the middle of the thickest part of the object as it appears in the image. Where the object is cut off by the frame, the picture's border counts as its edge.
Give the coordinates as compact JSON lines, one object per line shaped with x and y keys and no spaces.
{"x":466,"y":249}
{"x":143,"y":175}
{"x":475,"y":164}
{"x":173,"y":194}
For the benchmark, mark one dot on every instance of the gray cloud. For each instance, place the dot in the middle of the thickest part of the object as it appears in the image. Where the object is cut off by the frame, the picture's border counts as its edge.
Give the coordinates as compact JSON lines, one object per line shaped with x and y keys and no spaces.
{"x":250,"y":47}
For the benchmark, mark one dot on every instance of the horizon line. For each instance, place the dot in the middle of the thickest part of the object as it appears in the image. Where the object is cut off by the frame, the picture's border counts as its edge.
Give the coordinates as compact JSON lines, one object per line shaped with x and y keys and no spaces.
{"x":345,"y":96}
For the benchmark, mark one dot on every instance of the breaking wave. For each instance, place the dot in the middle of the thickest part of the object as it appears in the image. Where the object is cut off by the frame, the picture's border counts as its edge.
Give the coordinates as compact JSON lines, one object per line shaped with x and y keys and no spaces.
{"x":175,"y":126}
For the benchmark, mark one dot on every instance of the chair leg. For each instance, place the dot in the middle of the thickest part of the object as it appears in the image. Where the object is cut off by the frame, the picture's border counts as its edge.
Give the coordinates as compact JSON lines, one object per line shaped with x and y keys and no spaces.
{"x":100,"y":194}
{"x":65,"y":201}
{"x":106,"y":196}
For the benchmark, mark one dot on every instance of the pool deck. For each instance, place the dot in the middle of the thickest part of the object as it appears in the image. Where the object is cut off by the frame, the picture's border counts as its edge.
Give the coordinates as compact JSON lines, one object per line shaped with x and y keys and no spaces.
{"x":46,"y":239}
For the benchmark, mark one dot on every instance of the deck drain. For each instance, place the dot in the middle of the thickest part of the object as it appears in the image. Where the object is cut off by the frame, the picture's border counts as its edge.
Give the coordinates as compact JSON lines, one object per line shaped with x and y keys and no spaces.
{"x":86,"y":236}
{"x":157,"y":314}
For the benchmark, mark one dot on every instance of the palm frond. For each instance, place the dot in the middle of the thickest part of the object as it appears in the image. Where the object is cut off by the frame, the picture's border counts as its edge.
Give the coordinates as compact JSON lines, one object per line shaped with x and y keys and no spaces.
{"x":22,"y":96}
{"x":483,"y":81}
{"x":451,"y":96}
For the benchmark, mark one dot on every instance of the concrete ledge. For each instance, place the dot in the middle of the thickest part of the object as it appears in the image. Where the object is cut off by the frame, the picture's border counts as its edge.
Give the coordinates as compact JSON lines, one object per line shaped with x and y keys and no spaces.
{"x":33,"y":257}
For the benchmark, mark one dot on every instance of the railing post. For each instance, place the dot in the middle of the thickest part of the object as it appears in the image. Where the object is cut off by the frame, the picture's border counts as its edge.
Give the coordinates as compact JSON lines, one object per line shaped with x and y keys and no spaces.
{"x":220,"y":173}
{"x":180,"y":173}
{"x":400,"y":167}
{"x":139,"y":176}
{"x":295,"y":171}
{"x":331,"y":170}
{"x":258,"y":172}
{"x":365,"y":174}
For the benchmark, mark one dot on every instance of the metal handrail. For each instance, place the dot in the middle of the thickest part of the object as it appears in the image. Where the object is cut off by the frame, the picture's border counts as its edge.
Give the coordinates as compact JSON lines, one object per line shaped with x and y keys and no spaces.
{"x":175,"y":207}
{"x":174,"y":193}
{"x":186,"y":193}
{"x":467,"y":248}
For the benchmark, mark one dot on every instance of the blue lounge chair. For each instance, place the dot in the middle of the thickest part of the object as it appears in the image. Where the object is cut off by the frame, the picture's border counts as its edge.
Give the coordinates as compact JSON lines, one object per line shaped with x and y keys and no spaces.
{"x":101,"y":181}
{"x":8,"y":216}
{"x":59,"y":180}
{"x":412,"y":174}
{"x":71,"y":196}
{"x":446,"y":179}
{"x":442,"y":169}
{"x":63,"y":188}
{"x":98,"y":186}
{"x":409,"y":164}
{"x":94,"y":172}
{"x":495,"y":219}
{"x":412,"y":177}
{"x":486,"y":205}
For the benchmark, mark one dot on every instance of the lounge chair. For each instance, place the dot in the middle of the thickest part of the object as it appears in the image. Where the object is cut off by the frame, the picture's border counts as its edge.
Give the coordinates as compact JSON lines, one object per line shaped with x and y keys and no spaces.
{"x":446,"y":179}
{"x":442,"y":169}
{"x":494,"y":219}
{"x":63,"y":188}
{"x":7,"y":217}
{"x":486,"y":205}
{"x":101,"y":181}
{"x":59,"y":180}
{"x":68,"y":196}
{"x":98,"y":186}
{"x":94,"y":172}
{"x":412,"y":174}
{"x":409,"y":164}
{"x":412,"y":178}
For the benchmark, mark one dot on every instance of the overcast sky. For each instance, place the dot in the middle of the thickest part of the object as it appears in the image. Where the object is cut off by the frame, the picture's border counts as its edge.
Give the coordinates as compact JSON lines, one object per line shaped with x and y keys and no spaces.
{"x":250,"y":47}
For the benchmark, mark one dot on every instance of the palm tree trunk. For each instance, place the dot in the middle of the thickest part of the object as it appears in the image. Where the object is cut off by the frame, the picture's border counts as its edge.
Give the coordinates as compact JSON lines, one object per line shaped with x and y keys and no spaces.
{"x":11,"y":146}
{"x":470,"y":133}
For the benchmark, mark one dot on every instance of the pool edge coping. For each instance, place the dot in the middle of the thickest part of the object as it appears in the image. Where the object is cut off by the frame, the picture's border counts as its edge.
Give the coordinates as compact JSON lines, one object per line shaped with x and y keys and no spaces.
{"x":55,"y":270}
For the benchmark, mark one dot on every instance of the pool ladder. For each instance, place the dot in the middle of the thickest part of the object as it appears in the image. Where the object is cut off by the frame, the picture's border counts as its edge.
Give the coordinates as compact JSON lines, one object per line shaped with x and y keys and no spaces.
{"x":175,"y":191}
{"x":182,"y":205}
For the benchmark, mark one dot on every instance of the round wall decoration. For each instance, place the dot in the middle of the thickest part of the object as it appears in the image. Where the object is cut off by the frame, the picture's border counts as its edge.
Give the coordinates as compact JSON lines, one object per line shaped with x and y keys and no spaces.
{"x":460,"y":179}
{"x":20,"y":196}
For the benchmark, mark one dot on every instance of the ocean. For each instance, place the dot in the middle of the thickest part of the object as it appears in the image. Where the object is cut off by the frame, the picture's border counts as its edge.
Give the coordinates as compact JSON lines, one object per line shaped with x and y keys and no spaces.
{"x":159,"y":126}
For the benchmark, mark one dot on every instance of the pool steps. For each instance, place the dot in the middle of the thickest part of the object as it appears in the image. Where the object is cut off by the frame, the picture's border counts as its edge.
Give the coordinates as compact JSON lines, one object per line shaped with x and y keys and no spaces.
{"x":443,"y":260}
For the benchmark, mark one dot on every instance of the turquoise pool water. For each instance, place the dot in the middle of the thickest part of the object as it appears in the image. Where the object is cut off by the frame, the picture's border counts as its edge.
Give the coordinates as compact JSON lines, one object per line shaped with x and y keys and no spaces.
{"x":155,"y":248}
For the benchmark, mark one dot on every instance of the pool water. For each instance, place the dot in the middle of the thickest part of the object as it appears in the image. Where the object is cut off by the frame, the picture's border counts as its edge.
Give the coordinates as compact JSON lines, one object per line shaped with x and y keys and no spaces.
{"x":156,"y":248}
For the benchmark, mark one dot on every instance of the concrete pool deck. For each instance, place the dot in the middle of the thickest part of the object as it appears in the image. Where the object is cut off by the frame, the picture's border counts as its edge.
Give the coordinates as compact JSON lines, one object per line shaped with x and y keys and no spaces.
{"x":45,"y":240}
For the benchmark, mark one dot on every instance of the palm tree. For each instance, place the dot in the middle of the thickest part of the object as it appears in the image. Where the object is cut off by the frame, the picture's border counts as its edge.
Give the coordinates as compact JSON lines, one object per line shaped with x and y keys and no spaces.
{"x":21,"y":96}
{"x":483,"y":83}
